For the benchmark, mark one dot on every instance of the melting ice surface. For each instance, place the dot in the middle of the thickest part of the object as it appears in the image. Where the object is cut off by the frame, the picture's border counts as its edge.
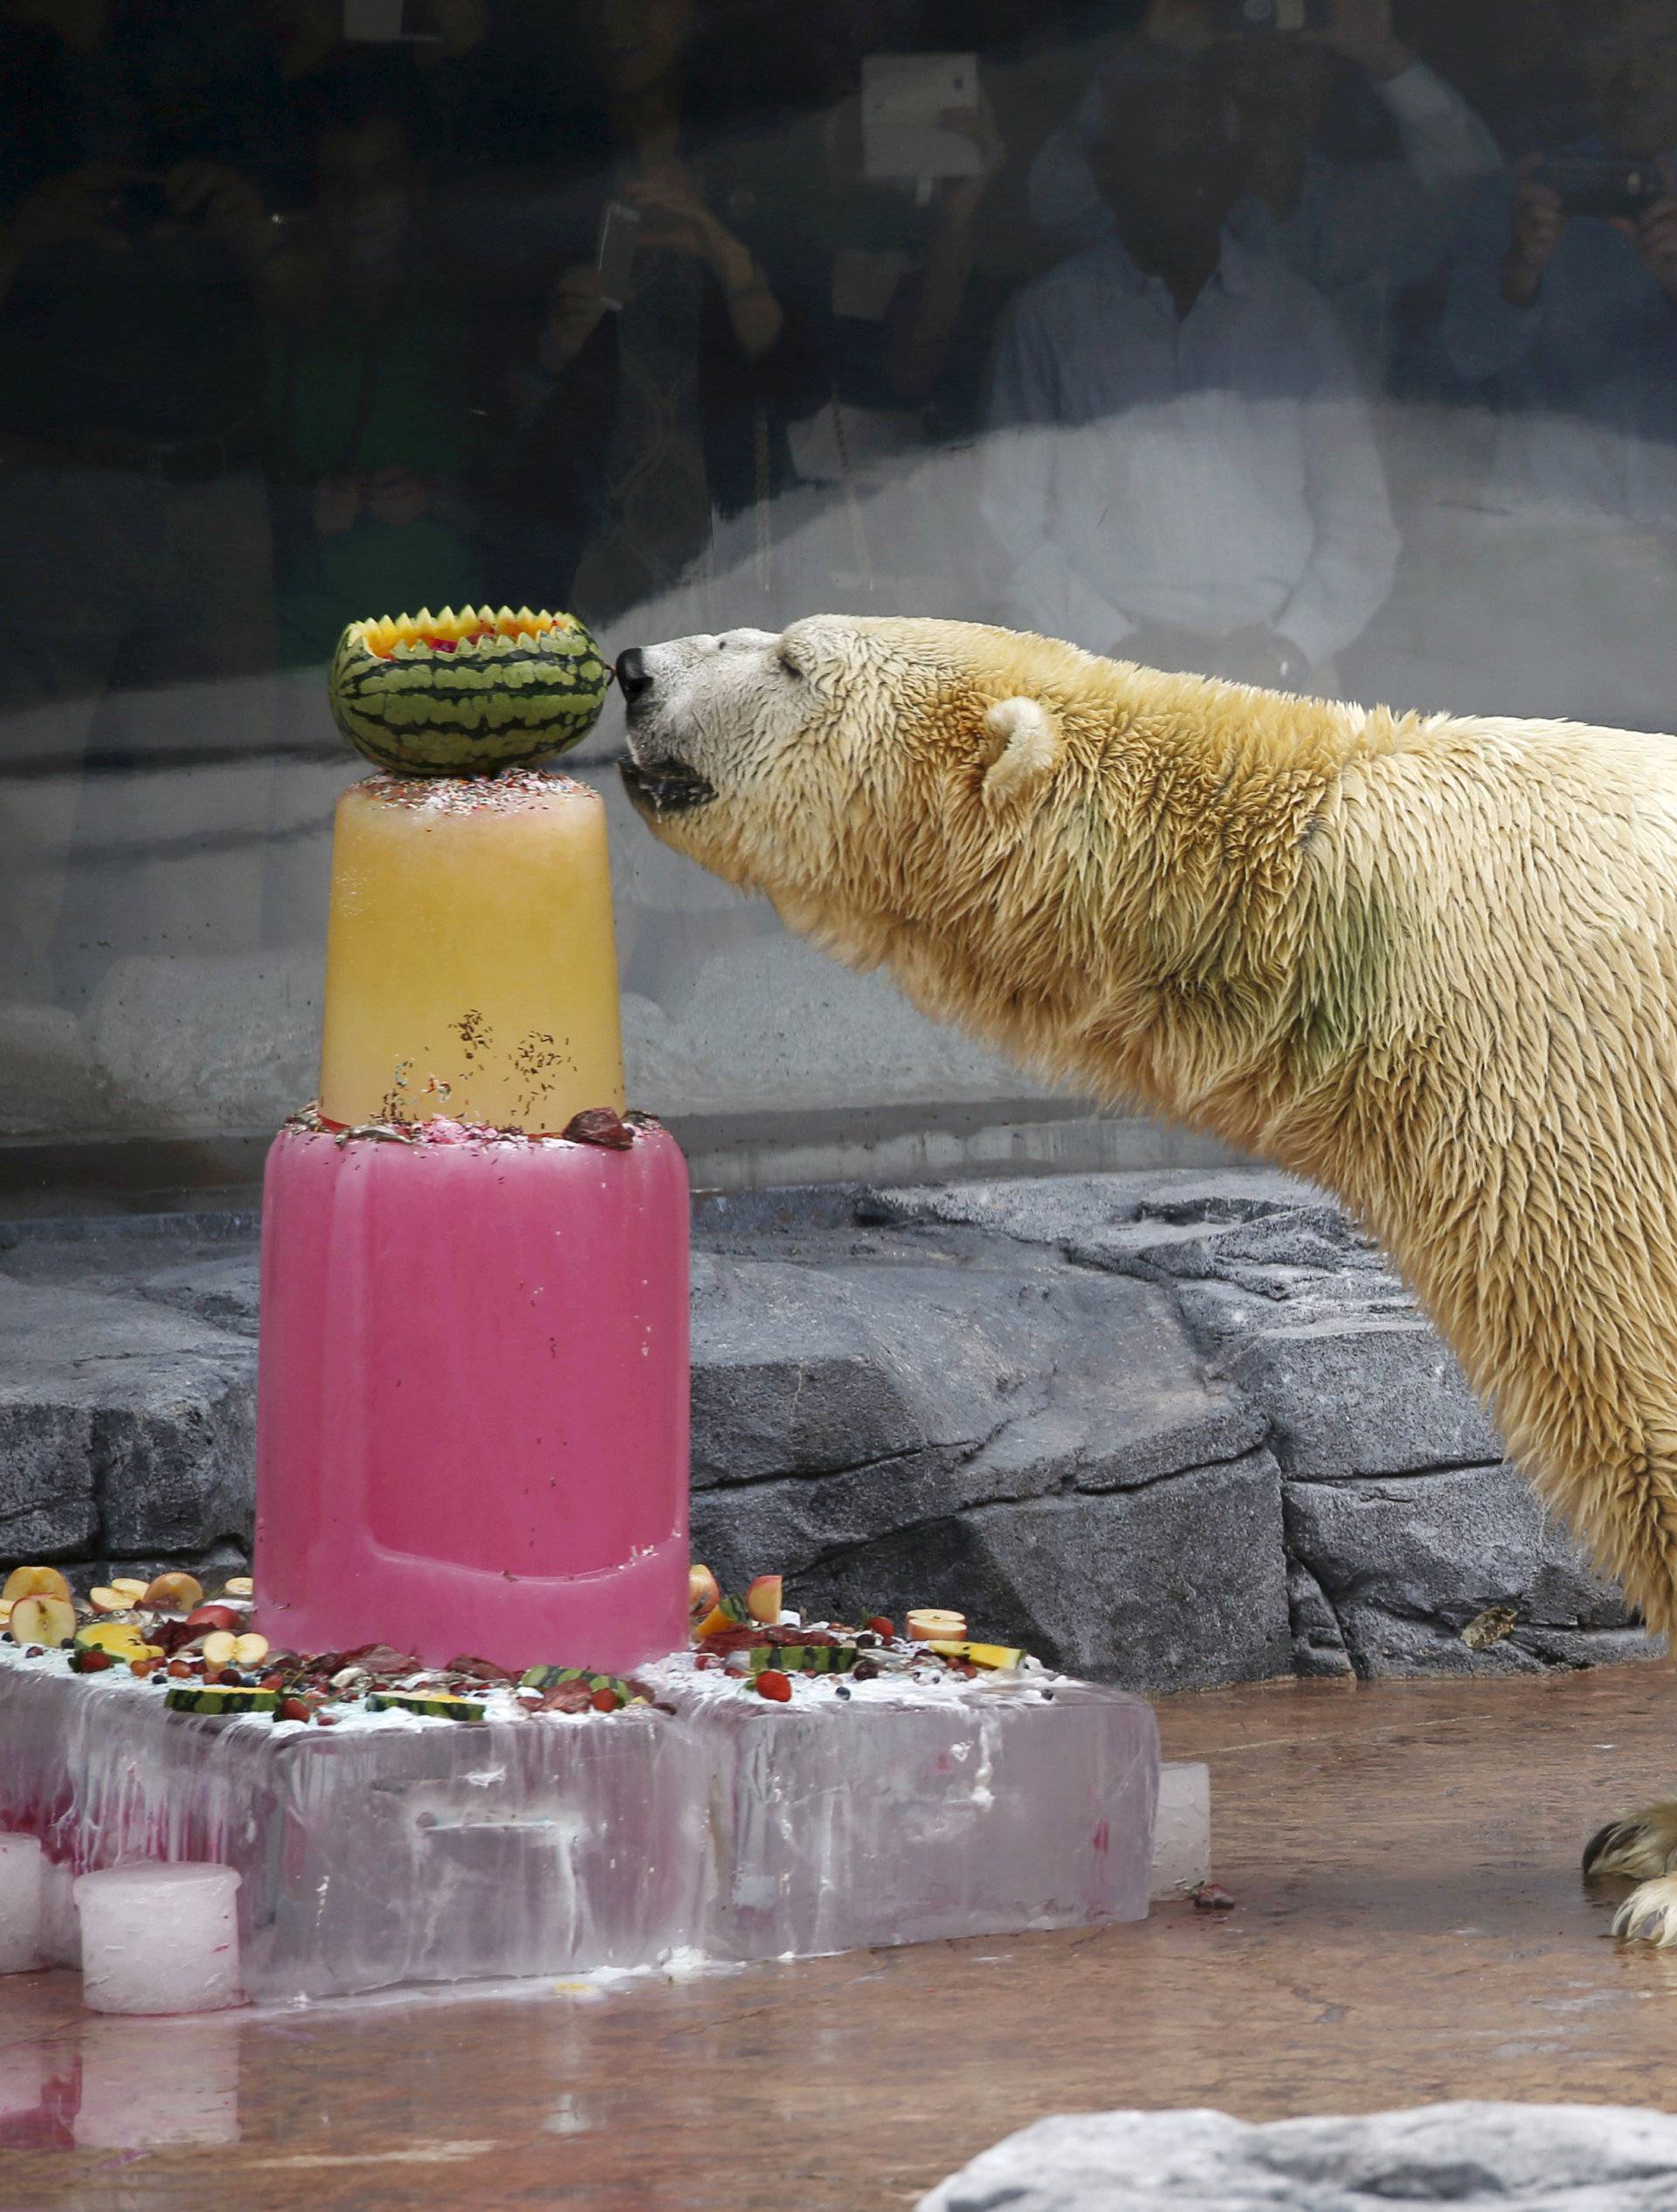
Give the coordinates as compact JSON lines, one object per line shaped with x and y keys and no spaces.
{"x":393,"y":1848}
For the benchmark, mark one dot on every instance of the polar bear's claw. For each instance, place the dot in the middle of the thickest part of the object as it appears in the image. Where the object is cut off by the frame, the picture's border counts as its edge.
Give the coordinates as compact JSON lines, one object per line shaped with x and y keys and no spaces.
{"x":1649,"y":1914}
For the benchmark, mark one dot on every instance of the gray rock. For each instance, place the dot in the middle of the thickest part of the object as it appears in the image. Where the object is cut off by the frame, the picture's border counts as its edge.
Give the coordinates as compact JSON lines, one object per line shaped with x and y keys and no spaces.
{"x":1318,"y":1639}
{"x":1504,"y":2158}
{"x":1362,"y":1395}
{"x":1404,"y":1565}
{"x":1175,"y":1586}
{"x":1014,"y":1383}
{"x":1067,"y":1209}
{"x":129,"y":1421}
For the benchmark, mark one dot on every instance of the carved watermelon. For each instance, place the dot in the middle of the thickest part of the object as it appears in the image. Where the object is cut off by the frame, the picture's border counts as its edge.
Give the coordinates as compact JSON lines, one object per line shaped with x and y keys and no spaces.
{"x":468,"y":694}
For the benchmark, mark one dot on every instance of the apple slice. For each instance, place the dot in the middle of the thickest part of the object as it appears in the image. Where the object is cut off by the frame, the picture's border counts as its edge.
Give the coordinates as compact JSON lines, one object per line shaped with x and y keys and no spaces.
{"x":249,"y":1650}
{"x":131,"y":1586}
{"x":174,"y":1593}
{"x":215,"y":1616}
{"x":46,"y":1620}
{"x":238,"y":1586}
{"x":931,"y":1624}
{"x":109,"y":1599}
{"x":35,"y":1582}
{"x":763,"y":1599}
{"x":704,"y":1592}
{"x":219,"y":1648}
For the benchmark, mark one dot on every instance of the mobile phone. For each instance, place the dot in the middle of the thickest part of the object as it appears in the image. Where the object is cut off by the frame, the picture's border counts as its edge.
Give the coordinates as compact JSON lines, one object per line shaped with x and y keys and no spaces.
{"x":903,"y":98}
{"x":1603,"y":185}
{"x":619,"y":235}
{"x":384,"y":23}
{"x":1263,"y":19}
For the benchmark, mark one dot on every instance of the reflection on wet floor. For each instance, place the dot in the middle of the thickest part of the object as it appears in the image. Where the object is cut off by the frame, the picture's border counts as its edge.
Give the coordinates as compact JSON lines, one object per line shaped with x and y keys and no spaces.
{"x":1409,"y":1925}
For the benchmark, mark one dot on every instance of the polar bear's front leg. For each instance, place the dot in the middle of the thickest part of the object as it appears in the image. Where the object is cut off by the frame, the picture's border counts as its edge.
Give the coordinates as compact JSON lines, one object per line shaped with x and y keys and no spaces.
{"x":1644,"y":1845}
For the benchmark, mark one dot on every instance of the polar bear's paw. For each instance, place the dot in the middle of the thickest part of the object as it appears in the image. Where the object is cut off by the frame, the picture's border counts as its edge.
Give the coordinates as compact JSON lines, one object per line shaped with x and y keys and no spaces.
{"x":1642,"y":1844}
{"x":1649,"y":1914}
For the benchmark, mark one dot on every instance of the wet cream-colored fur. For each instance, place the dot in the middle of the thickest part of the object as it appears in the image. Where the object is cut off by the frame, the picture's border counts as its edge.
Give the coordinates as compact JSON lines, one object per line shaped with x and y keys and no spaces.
{"x":1428,"y":962}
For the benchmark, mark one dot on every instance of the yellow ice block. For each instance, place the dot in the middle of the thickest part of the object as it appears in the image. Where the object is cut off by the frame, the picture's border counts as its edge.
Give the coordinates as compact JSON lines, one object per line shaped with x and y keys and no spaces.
{"x":471,"y":969}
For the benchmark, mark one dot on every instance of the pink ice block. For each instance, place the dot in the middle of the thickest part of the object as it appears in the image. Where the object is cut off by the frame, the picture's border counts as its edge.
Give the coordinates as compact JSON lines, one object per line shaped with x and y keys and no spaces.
{"x":472,"y":1412}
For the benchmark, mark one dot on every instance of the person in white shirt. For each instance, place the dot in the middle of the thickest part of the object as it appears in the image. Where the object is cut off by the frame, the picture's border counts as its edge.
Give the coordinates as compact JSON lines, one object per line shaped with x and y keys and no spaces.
{"x":1360,"y":233}
{"x":1179,"y":467}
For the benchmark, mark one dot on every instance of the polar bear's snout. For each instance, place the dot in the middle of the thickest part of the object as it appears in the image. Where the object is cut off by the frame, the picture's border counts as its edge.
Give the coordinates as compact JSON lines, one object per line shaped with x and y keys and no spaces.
{"x":658,"y":777}
{"x":634,"y":678}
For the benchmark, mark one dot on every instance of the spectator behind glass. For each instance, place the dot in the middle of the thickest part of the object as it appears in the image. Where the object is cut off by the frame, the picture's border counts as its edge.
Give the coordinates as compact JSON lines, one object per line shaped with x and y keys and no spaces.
{"x":884,"y":510}
{"x":1359,"y":233}
{"x":136,"y":255}
{"x":1567,"y":321}
{"x":1181,"y":469}
{"x":644,"y":428}
{"x":651,"y":442}
{"x":372,"y":435}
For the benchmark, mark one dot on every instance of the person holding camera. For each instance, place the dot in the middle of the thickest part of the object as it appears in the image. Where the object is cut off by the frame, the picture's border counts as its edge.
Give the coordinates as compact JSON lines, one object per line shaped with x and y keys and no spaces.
{"x":1359,"y":233}
{"x":1562,"y":312}
{"x":1180,"y":468}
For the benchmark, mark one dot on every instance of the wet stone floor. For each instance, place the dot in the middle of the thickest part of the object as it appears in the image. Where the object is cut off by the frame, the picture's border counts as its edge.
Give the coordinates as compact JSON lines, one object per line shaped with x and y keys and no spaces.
{"x":1409,"y":1925}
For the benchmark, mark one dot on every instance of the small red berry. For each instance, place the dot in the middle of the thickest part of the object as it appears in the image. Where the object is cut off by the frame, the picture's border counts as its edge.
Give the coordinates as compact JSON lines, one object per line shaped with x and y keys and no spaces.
{"x":94,"y":1662}
{"x":605,"y":1701}
{"x":772,"y":1684}
{"x":880,"y":1625}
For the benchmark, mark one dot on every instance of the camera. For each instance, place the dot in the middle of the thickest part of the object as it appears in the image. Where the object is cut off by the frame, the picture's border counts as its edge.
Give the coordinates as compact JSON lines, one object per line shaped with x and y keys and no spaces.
{"x":1603,"y":186}
{"x":1263,"y":19}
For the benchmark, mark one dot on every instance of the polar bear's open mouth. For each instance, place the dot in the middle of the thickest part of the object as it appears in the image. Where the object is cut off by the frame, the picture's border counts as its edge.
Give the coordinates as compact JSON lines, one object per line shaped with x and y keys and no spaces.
{"x":668,"y":787}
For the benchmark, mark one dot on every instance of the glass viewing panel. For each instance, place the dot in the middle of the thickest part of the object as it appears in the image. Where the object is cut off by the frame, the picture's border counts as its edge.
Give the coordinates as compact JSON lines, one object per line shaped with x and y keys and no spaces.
{"x":1323,"y":343}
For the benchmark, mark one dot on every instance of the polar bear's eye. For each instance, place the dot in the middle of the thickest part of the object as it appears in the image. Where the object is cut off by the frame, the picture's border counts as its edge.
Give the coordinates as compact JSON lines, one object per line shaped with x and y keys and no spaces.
{"x":790,"y":667}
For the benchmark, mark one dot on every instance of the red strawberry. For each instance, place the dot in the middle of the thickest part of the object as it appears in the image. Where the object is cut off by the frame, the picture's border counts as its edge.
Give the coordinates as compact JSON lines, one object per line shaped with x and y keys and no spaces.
{"x":605,"y":1701}
{"x":880,"y":1625}
{"x":772,"y":1684}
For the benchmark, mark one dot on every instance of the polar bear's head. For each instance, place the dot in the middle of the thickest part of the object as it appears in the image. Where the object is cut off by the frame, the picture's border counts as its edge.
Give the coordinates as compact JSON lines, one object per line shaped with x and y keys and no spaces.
{"x":855,"y":770}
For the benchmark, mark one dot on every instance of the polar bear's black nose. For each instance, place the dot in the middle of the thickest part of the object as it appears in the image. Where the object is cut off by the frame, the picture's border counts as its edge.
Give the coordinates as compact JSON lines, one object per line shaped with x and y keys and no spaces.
{"x":631,"y":675}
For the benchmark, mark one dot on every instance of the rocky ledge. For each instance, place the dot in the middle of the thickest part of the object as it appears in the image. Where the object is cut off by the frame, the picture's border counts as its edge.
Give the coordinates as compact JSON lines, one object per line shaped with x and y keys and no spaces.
{"x":1167,"y":1430}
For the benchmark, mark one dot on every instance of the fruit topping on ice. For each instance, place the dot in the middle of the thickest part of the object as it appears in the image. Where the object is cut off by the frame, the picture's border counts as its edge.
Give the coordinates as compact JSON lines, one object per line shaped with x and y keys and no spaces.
{"x":43,"y":1620}
{"x":173,"y":1594}
{"x":764,"y":1598}
{"x":930,"y":1624}
{"x":434,"y":1704}
{"x":989,"y":1656}
{"x":34,"y":1581}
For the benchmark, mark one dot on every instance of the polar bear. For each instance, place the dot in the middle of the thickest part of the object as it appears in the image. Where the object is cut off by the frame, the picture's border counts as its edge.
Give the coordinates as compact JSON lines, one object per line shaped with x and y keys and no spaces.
{"x":1429,"y":962}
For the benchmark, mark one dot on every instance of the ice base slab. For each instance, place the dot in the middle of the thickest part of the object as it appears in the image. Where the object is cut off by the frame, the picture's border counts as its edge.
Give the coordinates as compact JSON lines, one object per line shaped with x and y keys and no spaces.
{"x":403,"y":1851}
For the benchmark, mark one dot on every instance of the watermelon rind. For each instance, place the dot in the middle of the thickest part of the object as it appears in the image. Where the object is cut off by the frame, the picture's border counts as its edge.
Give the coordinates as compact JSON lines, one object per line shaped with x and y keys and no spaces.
{"x":466,"y":693}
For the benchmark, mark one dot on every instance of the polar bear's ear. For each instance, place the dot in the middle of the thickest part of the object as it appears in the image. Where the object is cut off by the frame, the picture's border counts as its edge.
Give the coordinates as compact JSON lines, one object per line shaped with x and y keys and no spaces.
{"x":1028,"y":745}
